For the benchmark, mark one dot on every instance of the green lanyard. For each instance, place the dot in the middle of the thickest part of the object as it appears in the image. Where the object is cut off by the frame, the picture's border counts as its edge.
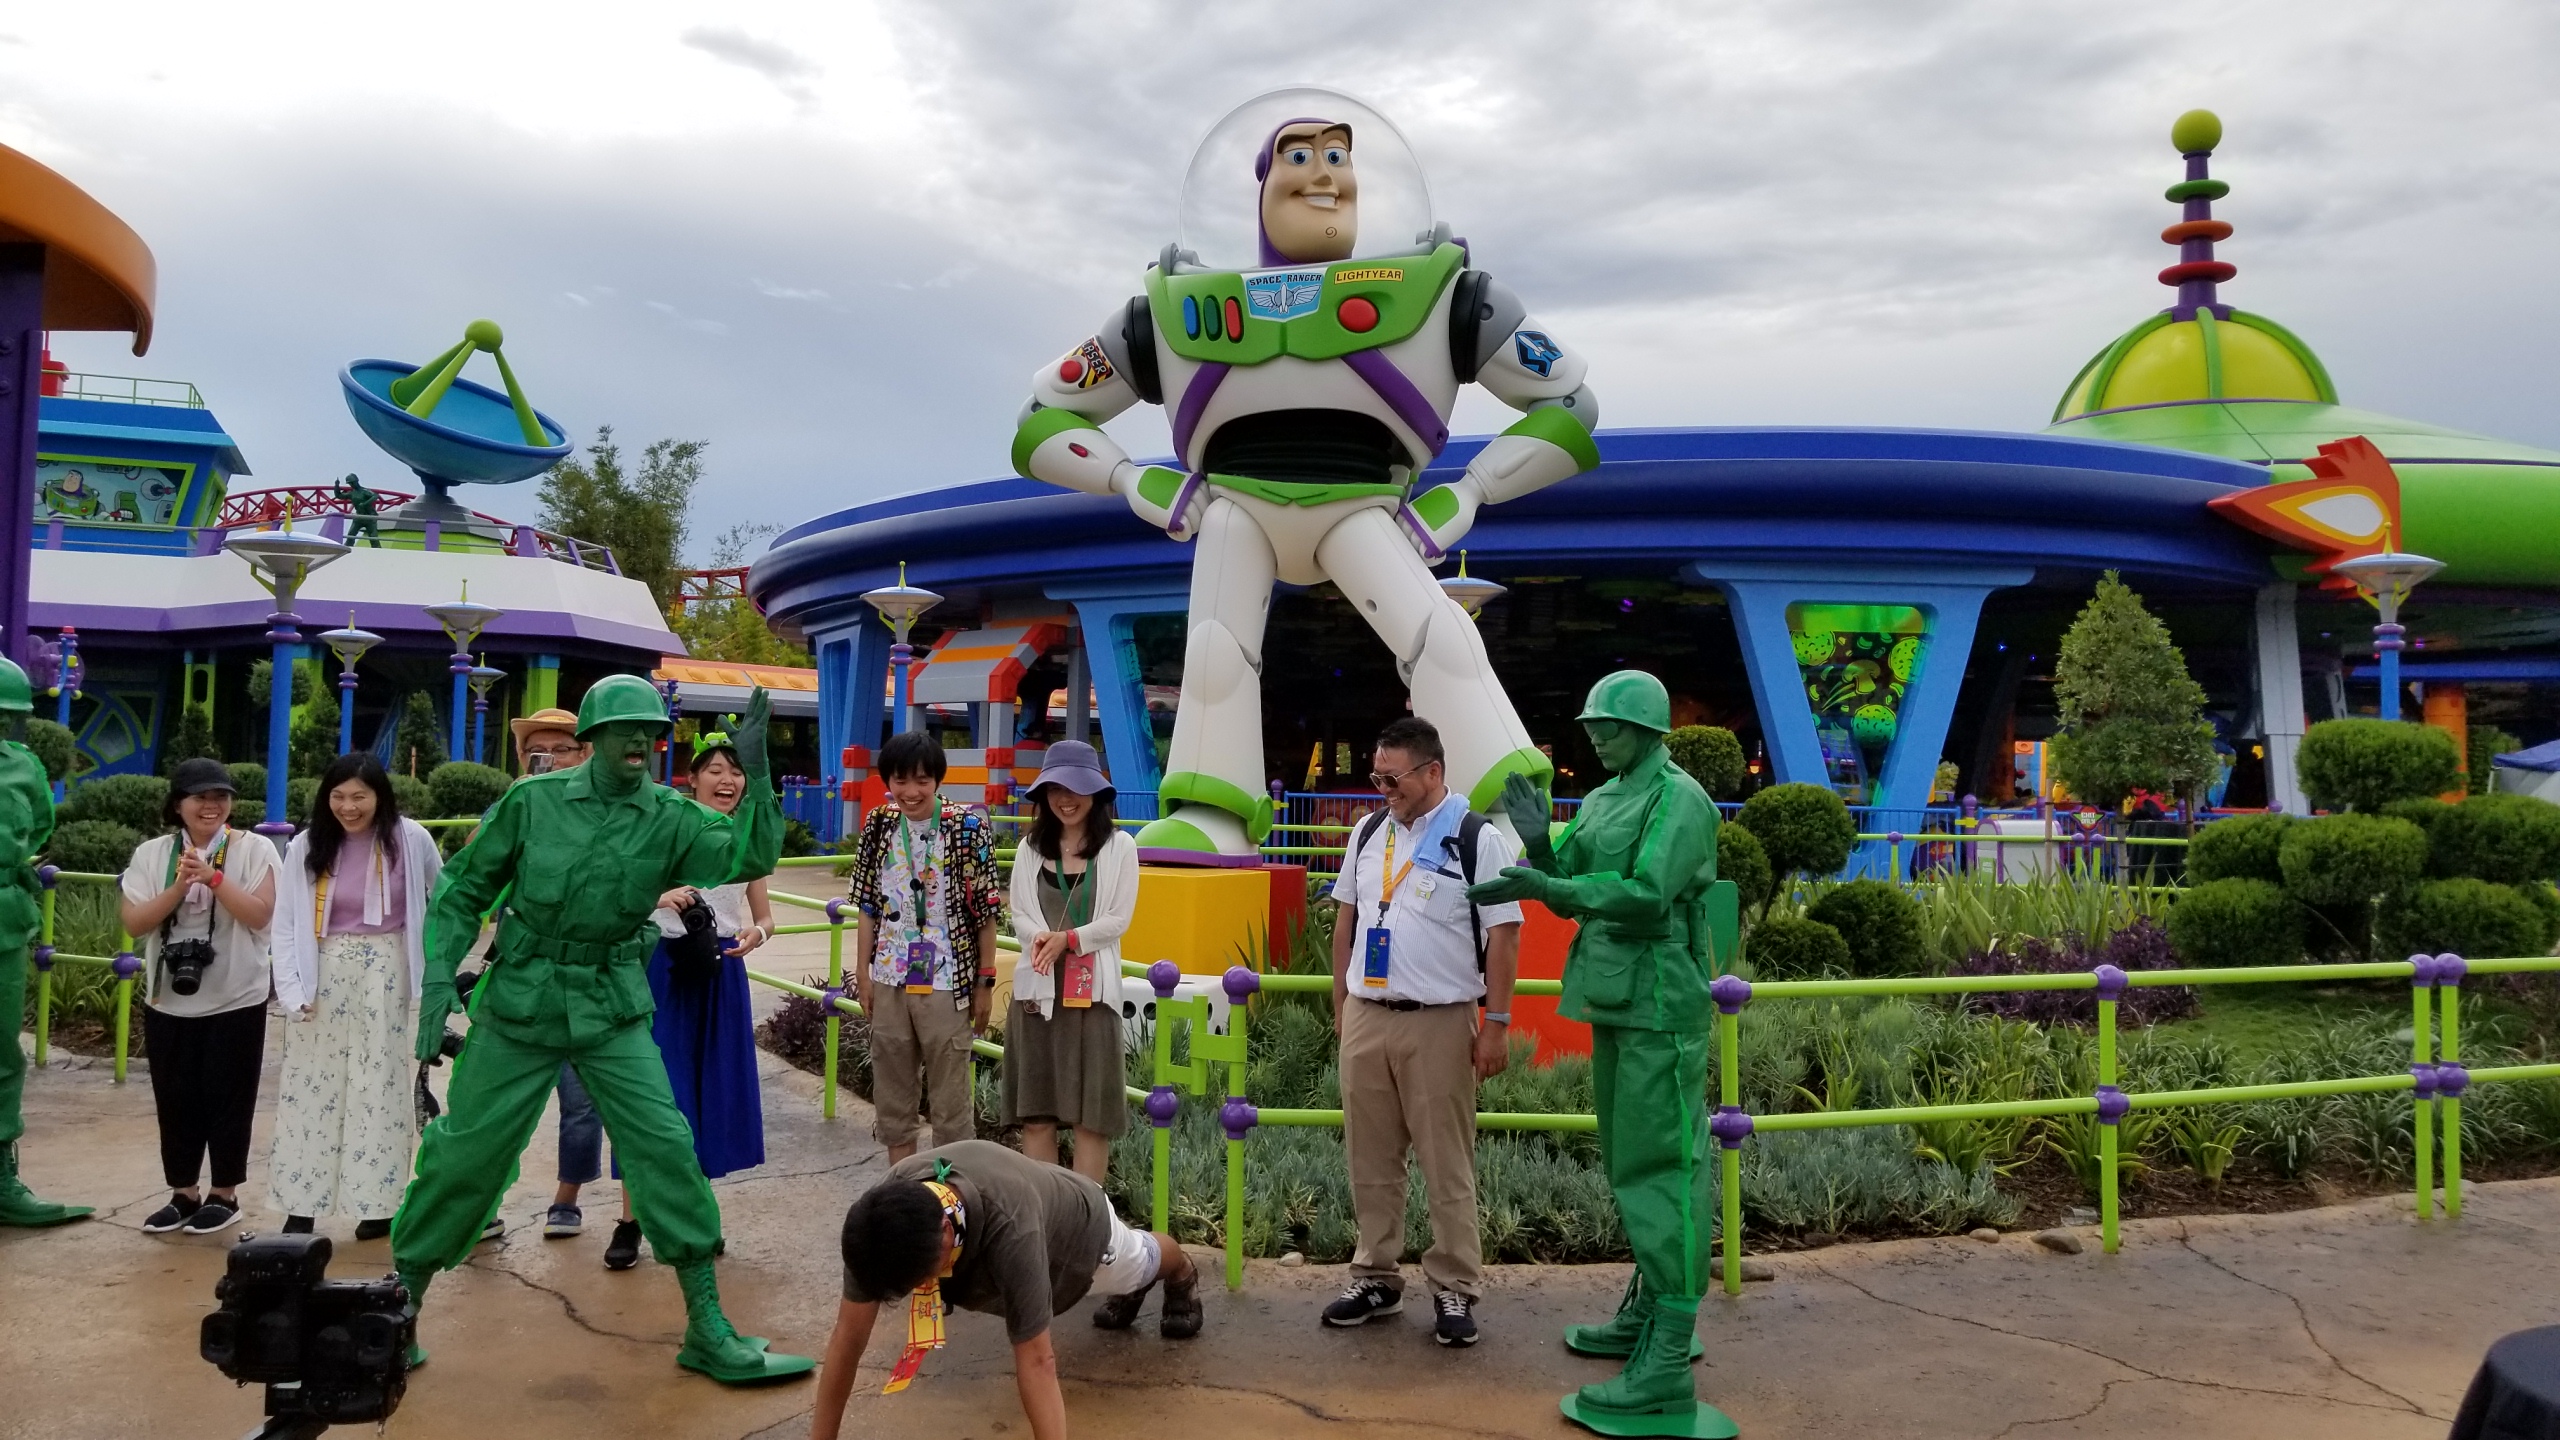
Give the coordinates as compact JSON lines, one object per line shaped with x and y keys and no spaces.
{"x":1076,"y":891}
{"x":906,"y":850}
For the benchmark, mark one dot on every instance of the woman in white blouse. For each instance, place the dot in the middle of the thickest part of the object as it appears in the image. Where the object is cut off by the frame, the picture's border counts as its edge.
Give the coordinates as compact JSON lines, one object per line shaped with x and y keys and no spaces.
{"x":350,"y":950}
{"x":1075,"y":890}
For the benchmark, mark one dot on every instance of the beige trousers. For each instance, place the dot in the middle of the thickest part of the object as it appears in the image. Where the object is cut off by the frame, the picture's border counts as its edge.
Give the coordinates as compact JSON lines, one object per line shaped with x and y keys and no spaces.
{"x":920,"y":1054}
{"x":1409,"y":1085}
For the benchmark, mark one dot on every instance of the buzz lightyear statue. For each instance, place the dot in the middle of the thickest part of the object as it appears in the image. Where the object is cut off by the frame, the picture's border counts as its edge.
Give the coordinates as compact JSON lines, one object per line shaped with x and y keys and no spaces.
{"x":1306,"y":394}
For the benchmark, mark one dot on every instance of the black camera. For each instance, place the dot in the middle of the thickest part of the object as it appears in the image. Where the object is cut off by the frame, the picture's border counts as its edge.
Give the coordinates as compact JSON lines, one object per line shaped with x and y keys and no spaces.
{"x":330,"y":1352}
{"x":186,"y":960}
{"x":693,"y":957}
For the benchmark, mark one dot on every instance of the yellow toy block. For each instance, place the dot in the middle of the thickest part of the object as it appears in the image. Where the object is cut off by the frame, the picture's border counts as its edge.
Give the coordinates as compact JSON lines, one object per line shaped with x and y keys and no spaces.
{"x":1200,"y":918}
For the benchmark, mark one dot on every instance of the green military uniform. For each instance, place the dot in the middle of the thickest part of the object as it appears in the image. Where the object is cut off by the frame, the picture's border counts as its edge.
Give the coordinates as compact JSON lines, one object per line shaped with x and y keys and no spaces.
{"x":26,"y":827}
{"x":363,"y":505}
{"x":1634,"y":869}
{"x":587,"y":860}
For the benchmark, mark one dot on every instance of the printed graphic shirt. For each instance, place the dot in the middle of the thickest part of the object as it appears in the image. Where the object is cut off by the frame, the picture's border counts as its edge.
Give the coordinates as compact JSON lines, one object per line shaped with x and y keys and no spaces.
{"x":953,"y":863}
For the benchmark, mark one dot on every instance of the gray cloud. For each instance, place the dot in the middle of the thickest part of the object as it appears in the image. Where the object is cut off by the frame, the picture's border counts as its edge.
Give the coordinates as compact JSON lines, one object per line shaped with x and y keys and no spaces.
{"x":1812,"y":212}
{"x":790,"y":71}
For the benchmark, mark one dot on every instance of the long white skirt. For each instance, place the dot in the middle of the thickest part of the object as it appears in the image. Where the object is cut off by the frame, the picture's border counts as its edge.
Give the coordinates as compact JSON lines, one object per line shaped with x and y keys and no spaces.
{"x":346,"y":1122}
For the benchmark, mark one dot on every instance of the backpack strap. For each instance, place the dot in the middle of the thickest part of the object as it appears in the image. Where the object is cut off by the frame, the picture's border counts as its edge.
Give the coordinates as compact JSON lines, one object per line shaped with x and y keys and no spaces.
{"x":1470,"y":830}
{"x":1360,"y":841}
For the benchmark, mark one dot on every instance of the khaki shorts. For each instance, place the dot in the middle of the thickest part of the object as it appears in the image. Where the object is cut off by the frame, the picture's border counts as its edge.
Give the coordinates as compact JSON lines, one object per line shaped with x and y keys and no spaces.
{"x":920,"y":1059}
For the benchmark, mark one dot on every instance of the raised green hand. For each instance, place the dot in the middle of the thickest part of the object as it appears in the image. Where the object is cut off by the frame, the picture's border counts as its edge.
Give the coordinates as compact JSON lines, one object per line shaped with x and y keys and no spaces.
{"x":1527,"y":807}
{"x":749,"y":736}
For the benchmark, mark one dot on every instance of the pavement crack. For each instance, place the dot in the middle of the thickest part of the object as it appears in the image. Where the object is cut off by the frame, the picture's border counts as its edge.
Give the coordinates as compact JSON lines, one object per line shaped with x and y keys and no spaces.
{"x":2403,"y":1408}
{"x":2303,"y":1316}
{"x":568,"y":1306}
{"x":2106,"y":1391}
{"x":1307,"y":1408}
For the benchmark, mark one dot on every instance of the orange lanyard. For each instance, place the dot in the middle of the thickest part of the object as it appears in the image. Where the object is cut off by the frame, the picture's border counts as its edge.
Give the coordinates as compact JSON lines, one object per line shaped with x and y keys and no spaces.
{"x":1394,"y":876}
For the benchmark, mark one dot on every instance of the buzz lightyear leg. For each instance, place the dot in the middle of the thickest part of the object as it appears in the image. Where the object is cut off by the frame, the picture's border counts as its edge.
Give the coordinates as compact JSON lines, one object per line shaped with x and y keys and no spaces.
{"x":1438,"y":653}
{"x":1212,"y":790}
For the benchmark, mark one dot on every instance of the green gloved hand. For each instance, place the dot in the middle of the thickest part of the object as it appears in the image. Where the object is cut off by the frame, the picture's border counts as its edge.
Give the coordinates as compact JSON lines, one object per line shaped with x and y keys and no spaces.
{"x":1516,"y":882}
{"x":749,"y":736}
{"x":437,"y":1001}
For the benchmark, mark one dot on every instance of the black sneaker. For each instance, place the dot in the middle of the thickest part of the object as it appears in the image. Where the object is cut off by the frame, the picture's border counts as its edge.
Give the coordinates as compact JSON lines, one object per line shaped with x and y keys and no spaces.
{"x":623,"y":1251}
{"x":495,"y":1229}
{"x":297,"y":1225}
{"x":1363,"y":1302}
{"x":211,"y":1217}
{"x":373,"y":1229}
{"x":1457,"y":1324}
{"x":172,"y":1215}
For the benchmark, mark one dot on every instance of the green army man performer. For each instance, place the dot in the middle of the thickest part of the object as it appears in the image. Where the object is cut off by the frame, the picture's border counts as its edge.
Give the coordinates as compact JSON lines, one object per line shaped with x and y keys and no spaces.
{"x":587,"y":851}
{"x":1634,"y":869}
{"x":26,"y":824}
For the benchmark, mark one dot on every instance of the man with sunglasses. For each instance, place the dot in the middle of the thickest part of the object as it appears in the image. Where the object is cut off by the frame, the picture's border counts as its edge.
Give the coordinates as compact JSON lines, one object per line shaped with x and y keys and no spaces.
{"x":1634,"y":869}
{"x":1412,"y":959}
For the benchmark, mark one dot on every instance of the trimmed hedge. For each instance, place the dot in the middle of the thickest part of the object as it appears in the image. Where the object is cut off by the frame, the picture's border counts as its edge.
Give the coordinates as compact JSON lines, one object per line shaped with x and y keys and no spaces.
{"x":95,"y":847}
{"x":416,"y":800}
{"x":1789,"y":947}
{"x":2470,"y":918}
{"x":1878,"y":922}
{"x":2243,"y":847}
{"x":1805,"y":829}
{"x":2504,"y":839}
{"x":54,"y":746}
{"x":1712,"y":756}
{"x":2235,"y":922}
{"x":2366,"y":764}
{"x":462,"y":788}
{"x":1741,"y":859}
{"x":2351,"y":859}
{"x":132,"y":801}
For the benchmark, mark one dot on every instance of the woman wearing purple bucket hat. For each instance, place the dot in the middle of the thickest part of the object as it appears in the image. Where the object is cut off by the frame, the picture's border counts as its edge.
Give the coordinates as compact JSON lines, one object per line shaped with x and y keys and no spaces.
{"x":1075,"y":889}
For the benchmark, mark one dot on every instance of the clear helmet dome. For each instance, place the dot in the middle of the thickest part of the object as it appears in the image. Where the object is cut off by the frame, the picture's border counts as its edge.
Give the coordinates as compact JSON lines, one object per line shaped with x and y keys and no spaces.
{"x":1322,"y":201}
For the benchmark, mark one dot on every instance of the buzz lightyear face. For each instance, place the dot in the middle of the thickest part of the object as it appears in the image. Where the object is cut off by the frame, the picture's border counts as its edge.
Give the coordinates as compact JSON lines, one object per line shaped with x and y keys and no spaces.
{"x":1311,"y":195}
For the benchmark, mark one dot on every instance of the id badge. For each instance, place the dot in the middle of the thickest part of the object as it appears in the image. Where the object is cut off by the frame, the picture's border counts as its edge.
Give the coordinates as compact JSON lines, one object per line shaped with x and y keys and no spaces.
{"x":1373,"y":959}
{"x":920,"y":967}
{"x":1075,"y":982}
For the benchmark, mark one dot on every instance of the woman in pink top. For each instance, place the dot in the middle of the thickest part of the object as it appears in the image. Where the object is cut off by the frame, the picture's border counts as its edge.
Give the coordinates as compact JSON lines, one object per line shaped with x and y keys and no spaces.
{"x":348,"y":946}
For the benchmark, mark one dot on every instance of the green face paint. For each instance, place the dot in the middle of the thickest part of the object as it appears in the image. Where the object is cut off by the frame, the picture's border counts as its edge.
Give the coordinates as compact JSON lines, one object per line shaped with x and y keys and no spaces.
{"x":1619,"y":744}
{"x":620,"y":760}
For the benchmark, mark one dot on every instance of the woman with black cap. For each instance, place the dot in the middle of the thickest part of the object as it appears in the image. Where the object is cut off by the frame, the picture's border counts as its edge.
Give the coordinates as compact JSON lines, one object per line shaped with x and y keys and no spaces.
{"x":199,"y":898}
{"x":1075,"y":890}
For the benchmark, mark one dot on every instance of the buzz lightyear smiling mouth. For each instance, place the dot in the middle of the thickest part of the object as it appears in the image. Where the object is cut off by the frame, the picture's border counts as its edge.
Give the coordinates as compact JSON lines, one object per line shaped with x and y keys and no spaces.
{"x":1321,"y":202}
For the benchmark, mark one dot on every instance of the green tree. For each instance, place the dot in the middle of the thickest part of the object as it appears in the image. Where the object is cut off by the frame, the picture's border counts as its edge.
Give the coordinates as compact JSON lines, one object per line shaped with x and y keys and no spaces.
{"x":2483,"y":745}
{"x":418,"y":747}
{"x":639,"y":514}
{"x":192,"y":740}
{"x":2132,"y":717}
{"x":733,"y":629}
{"x":1712,"y":756}
{"x":315,"y":734}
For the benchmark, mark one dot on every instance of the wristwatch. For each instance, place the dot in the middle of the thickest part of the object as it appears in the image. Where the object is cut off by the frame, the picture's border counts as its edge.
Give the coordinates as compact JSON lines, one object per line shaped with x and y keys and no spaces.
{"x":1498,"y":1017}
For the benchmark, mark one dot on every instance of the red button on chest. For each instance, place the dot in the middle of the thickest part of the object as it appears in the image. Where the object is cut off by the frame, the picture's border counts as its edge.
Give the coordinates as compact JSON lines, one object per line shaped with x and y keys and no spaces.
{"x":1357,"y":315}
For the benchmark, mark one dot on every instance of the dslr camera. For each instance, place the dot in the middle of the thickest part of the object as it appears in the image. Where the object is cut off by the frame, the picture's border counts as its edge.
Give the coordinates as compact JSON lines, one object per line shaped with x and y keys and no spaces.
{"x":330,"y":1352}
{"x":186,"y":961}
{"x":693,"y":958}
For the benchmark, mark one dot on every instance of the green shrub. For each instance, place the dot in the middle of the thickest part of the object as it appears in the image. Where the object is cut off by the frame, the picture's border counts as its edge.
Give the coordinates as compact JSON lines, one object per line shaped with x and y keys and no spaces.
{"x":2240,"y":848}
{"x":2481,"y":748}
{"x":2351,"y":859}
{"x":1785,"y":947}
{"x":1805,"y":829}
{"x":299,"y":792}
{"x":2508,"y":839}
{"x":417,"y":747}
{"x":2546,"y":900}
{"x":2366,"y":764}
{"x":2422,"y":812}
{"x":97,"y":847}
{"x":192,"y":740}
{"x":416,"y":800}
{"x":1878,"y":922}
{"x":54,"y":746}
{"x":2235,"y":922}
{"x":462,"y":788}
{"x":132,"y":801}
{"x":248,"y":781}
{"x":248,"y":812}
{"x":1741,"y":859}
{"x":2471,"y":918}
{"x":1711,"y":755}
{"x":262,"y":684}
{"x":798,"y":838}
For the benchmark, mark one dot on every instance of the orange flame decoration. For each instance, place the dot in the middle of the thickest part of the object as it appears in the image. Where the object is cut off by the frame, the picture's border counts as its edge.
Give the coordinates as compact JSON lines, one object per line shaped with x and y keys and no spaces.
{"x":2350,"y":507}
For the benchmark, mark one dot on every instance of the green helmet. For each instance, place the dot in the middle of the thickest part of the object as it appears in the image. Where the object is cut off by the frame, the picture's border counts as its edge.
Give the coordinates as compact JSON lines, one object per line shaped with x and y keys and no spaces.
{"x":620,"y":698}
{"x":1632,"y":696}
{"x":17,"y":697}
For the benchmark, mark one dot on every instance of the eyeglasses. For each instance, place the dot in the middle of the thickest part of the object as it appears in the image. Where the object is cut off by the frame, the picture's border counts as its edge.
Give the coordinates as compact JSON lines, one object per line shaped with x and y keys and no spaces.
{"x":1389,"y":782}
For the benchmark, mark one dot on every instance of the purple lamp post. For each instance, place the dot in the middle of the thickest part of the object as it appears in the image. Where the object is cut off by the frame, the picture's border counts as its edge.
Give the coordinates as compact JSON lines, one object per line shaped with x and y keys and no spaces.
{"x":899,"y":605}
{"x":281,"y":560}
{"x":67,"y":674}
{"x":462,"y":622}
{"x":482,"y":677}
{"x":349,"y":646}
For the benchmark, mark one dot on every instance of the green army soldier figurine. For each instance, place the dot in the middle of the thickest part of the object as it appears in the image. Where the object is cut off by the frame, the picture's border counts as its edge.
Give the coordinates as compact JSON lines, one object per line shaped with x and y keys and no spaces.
{"x":26,"y":825}
{"x":588,"y":851}
{"x":362,"y":506}
{"x":1633,"y":869}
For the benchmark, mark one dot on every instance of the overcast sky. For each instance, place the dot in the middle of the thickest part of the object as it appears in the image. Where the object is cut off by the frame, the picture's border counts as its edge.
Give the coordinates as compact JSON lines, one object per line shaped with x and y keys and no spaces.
{"x":834,"y":240}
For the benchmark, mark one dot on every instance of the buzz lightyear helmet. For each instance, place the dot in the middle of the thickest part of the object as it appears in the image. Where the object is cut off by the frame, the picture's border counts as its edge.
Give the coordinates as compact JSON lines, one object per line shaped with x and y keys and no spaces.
{"x":1220,"y":222}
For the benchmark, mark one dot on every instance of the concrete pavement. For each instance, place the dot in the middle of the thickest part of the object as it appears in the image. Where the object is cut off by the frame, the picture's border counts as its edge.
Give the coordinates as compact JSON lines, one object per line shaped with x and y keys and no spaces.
{"x":2353,"y":1322}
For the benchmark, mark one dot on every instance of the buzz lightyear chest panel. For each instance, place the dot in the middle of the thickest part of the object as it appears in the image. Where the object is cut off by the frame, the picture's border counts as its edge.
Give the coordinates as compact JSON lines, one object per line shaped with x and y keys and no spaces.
{"x":1313,"y":312}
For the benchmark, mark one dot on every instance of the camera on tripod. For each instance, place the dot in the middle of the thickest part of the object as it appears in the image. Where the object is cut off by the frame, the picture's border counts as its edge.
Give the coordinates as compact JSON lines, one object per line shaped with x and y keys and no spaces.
{"x":330,"y":1352}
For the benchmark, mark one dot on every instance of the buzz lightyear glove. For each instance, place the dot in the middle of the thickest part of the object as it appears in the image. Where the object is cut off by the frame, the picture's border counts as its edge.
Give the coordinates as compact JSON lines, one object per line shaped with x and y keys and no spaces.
{"x":1547,"y":445}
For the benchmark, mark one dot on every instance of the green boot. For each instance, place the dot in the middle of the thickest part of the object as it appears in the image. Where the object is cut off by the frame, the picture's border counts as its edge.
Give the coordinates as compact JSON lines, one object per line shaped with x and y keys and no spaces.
{"x":1655,"y":1394}
{"x":714,"y":1348}
{"x":17,"y":1206}
{"x":417,"y":1282}
{"x":1616,"y":1340}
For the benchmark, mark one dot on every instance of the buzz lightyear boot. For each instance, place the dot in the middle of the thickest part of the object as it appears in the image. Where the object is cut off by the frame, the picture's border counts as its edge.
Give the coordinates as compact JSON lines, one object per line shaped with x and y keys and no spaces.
{"x":1616,"y":1339}
{"x":716,"y":1349}
{"x":18,"y":1206}
{"x":1207,"y":821}
{"x":1655,"y":1394}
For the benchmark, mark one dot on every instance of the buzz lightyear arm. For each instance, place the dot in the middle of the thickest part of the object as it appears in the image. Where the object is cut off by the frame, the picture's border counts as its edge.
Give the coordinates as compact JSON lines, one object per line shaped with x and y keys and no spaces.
{"x":1060,"y":438}
{"x":1527,"y":368}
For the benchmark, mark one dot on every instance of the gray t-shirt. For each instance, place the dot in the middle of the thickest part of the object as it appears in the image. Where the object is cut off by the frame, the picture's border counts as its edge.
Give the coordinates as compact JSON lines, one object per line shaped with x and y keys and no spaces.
{"x":1036,"y":1234}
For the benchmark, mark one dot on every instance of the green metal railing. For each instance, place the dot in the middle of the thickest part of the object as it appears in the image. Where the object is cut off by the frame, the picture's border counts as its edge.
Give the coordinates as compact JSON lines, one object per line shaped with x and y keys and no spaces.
{"x":124,"y":963}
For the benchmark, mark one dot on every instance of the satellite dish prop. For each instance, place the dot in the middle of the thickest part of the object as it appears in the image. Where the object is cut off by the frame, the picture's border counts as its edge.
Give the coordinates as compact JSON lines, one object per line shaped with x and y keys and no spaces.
{"x":450,"y":430}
